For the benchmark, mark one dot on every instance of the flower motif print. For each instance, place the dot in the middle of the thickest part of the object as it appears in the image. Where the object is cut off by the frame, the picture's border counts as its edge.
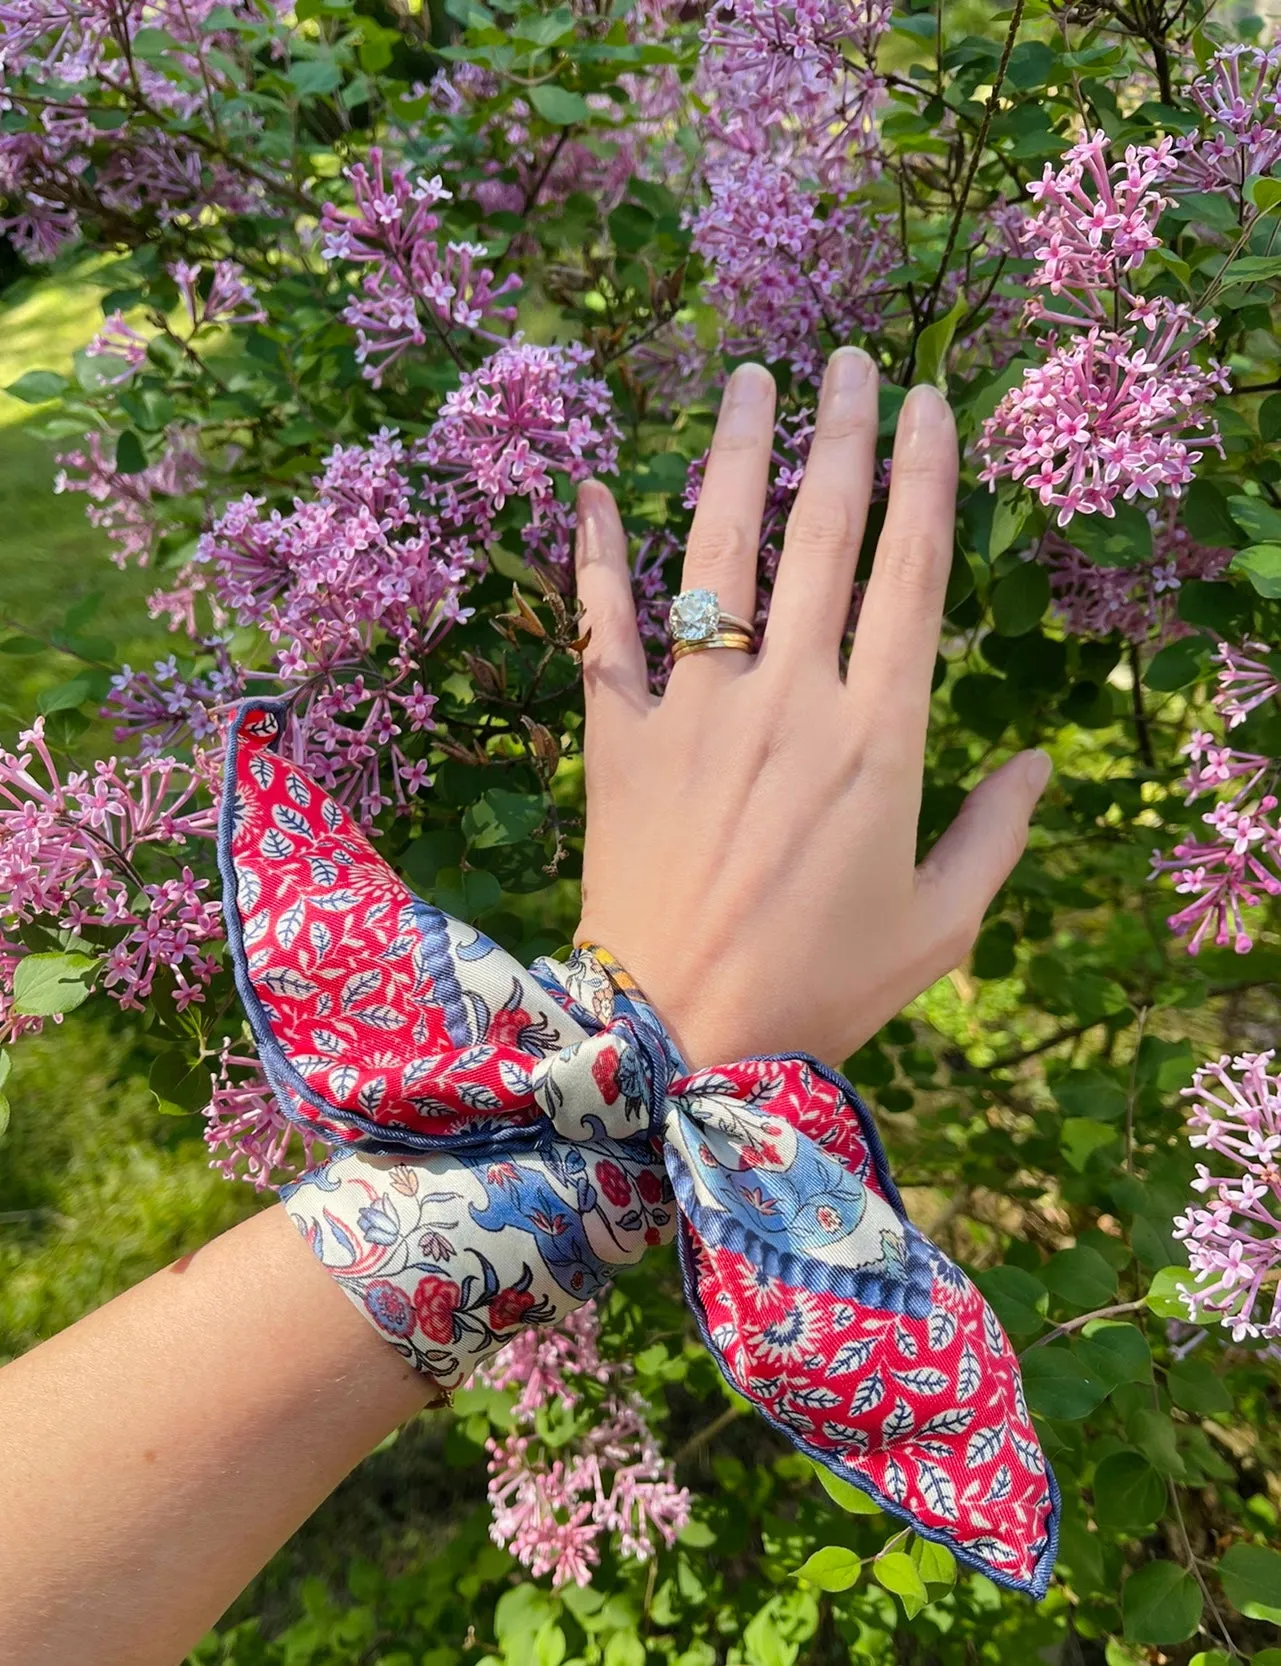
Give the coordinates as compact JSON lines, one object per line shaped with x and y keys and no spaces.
{"x":436,"y":1302}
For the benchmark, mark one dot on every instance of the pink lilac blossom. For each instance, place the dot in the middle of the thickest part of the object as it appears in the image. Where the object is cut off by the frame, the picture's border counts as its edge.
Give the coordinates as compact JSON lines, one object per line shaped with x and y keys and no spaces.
{"x":1234,"y":1238}
{"x":160,"y":707}
{"x":416,"y":282}
{"x":231,"y":298}
{"x":124,"y":505}
{"x":121,"y":342}
{"x":771,"y":53}
{"x":1247,"y":679}
{"x":1235,"y":866}
{"x":1109,"y":414}
{"x":246,"y":1133}
{"x":790,"y":268}
{"x":552,"y":1512}
{"x":362,"y":554}
{"x":1140,"y":602}
{"x":1240,"y":98}
{"x":524,"y":416}
{"x":71,"y":853}
{"x":1096,"y":222}
{"x":56,"y":168}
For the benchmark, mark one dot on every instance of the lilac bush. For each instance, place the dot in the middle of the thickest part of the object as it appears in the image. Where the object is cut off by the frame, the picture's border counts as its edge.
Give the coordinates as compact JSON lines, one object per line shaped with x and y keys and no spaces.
{"x":380,"y":286}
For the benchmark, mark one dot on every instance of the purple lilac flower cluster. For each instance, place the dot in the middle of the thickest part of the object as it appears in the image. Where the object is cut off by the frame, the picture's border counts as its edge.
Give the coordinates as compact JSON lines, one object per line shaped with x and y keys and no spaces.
{"x":72,"y":851}
{"x":1113,"y":411}
{"x":1237,"y":862}
{"x":1139,"y":602}
{"x":1234,"y":1238}
{"x":414,"y":284}
{"x":62,"y":172}
{"x":124,"y":505}
{"x":551,"y":1511}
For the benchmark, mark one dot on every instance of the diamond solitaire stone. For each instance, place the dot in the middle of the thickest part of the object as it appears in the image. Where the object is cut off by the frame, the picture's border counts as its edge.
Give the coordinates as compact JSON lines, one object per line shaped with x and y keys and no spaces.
{"x":694,"y":615}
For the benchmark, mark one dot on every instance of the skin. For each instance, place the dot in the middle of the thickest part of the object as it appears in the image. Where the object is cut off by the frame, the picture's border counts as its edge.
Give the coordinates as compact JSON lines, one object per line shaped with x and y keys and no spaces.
{"x":749,"y":859}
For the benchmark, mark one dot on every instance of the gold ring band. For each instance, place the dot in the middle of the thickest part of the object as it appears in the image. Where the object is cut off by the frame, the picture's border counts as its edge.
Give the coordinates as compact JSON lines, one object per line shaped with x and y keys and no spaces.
{"x":741,"y":640}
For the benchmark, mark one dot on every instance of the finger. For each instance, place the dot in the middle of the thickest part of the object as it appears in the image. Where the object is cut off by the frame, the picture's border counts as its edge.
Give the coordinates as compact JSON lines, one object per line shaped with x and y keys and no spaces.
{"x":811,"y":600}
{"x":725,"y":536}
{"x":892,"y":662}
{"x":969,"y":864}
{"x":615,"y":675}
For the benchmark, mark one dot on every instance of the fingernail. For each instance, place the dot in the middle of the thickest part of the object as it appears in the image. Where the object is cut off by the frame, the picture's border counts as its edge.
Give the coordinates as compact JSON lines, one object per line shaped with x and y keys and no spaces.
{"x":848,"y":371}
{"x":924,"y":409}
{"x":588,"y":512}
{"x":1038,"y":767}
{"x":749,"y":389}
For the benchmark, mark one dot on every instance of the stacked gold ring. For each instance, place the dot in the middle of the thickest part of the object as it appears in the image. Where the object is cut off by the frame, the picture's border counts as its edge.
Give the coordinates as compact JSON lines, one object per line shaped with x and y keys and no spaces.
{"x":697,"y":621}
{"x":719,"y":639}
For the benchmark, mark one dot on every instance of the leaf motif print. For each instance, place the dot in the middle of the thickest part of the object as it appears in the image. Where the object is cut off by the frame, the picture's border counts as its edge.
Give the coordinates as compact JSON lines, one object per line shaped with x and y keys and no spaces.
{"x":248,"y":890}
{"x":942,"y":1328}
{"x":894,"y":1480}
{"x":1002,"y":1486}
{"x":851,"y":1356}
{"x":290,"y":924}
{"x":371,"y":1095}
{"x":342,"y":1079}
{"x":955,"y":1421}
{"x":477,"y":1097}
{"x":925,"y":1379}
{"x":984,"y":1444}
{"x":323,"y":872}
{"x":283,"y":980}
{"x":291,"y":820}
{"x":936,"y":1489}
{"x":332,"y":814}
{"x":297,"y":788}
{"x":905,"y":1341}
{"x":899,"y":1421}
{"x":360,"y":986}
{"x":870,"y":1392}
{"x":321,"y":939}
{"x":992,"y":1332}
{"x":383,"y":1017}
{"x":262,"y":766}
{"x":336,"y":902}
{"x":968,"y":1374}
{"x":275,"y":846}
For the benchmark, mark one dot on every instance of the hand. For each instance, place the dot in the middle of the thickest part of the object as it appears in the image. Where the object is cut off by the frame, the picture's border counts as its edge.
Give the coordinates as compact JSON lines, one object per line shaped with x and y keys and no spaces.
{"x":751,"y":836}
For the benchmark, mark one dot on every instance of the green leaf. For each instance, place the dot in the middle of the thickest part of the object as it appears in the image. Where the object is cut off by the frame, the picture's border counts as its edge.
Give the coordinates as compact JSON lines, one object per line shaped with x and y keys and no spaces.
{"x":1251,"y":1579}
{"x":934,"y":1562}
{"x":6,"y":1065}
{"x":1128,"y":1492}
{"x":1019,"y":600}
{"x":1257,"y":518}
{"x":1080,"y":1277}
{"x":4,"y":1116}
{"x":558,"y":105}
{"x":466,"y":895}
{"x":313,"y":77}
{"x":47,"y":984}
{"x":1160,"y":1603}
{"x":1252,"y":269}
{"x":853,"y":1501}
{"x":1080,"y":1138}
{"x":1206,"y":514}
{"x":1118,"y":1353}
{"x":130,"y":457}
{"x":897,"y":1572}
{"x":1265,"y":193}
{"x":1162,"y":1298}
{"x":1018,"y":1300}
{"x":1090,"y":1093}
{"x":1196,"y":1387}
{"x":37,"y":387}
{"x":1175,"y":666}
{"x":1261,"y":564}
{"x":1009,"y":516}
{"x":1270,"y":418}
{"x":63,"y":696}
{"x":1153,"y":1432}
{"x":503,"y":818}
{"x":832,"y":1569}
{"x":18,"y":645}
{"x":180,"y":1084}
{"x":934,"y":343}
{"x":1122,"y":540}
{"x":1060,"y":1385}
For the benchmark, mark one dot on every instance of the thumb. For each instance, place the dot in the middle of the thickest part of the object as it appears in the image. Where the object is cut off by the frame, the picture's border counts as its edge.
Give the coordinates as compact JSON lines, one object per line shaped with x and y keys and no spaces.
{"x":973,"y":859}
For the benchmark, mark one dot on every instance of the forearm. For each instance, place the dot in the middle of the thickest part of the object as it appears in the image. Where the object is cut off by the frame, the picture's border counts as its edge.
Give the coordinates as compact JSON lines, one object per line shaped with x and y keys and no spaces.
{"x":158,"y":1452}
